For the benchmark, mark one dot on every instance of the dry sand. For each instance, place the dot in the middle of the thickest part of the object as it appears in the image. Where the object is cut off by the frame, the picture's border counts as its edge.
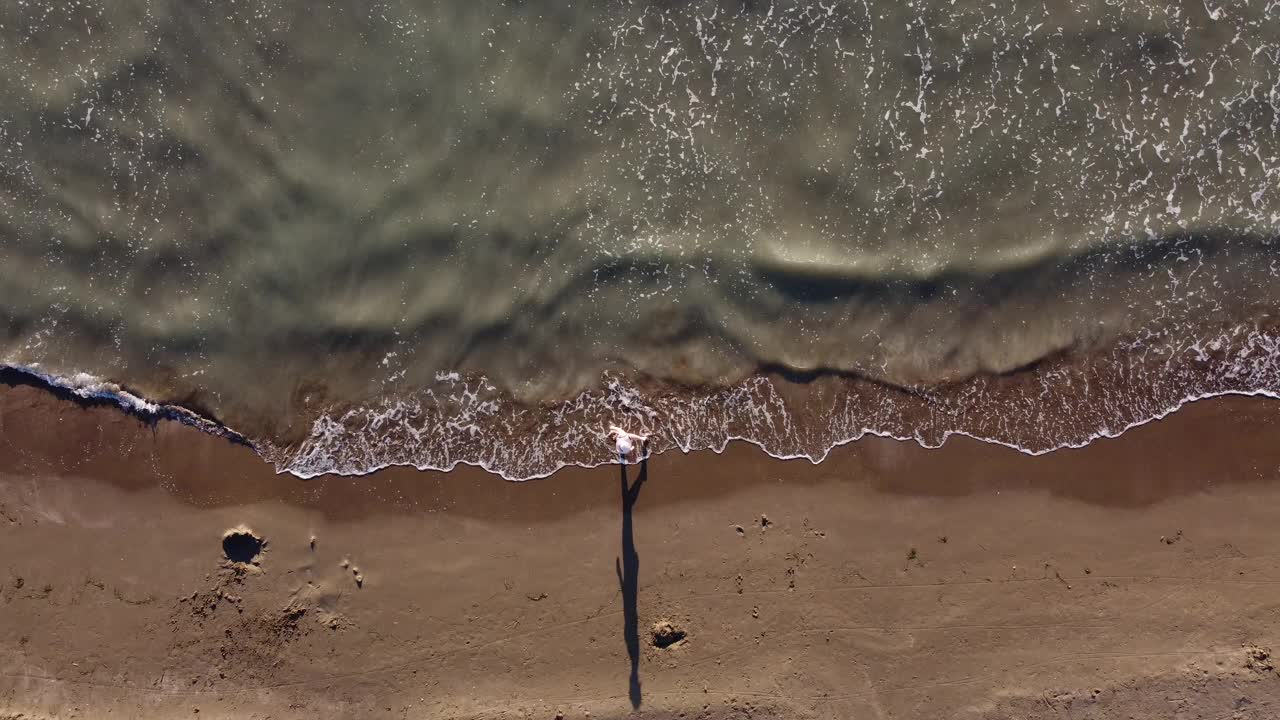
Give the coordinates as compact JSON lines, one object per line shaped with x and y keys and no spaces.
{"x":1137,"y":577}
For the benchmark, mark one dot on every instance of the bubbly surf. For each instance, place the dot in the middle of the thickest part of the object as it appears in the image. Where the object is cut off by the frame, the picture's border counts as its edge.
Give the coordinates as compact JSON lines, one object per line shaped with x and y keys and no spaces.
{"x":1049,"y":408}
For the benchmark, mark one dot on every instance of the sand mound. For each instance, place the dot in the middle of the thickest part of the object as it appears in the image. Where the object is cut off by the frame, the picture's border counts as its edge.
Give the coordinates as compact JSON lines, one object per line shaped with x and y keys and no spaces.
{"x":667,"y":634}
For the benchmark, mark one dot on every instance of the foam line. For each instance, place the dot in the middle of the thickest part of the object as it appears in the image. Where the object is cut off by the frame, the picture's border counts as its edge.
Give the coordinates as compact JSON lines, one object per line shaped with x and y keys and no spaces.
{"x":91,"y":388}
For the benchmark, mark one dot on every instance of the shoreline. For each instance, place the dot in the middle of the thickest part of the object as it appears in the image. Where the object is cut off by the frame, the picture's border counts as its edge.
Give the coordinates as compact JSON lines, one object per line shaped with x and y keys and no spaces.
{"x":177,"y":455}
{"x":175,"y":452}
{"x":92,"y":391}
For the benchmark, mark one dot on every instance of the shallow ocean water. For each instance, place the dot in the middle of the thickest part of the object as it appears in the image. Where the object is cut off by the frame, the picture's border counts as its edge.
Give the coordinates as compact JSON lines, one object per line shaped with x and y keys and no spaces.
{"x":436,"y":232}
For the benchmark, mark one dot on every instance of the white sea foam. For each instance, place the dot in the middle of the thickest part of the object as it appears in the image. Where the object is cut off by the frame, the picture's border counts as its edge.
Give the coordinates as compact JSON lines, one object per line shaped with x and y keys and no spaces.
{"x":471,"y":422}
{"x":1067,"y":406}
{"x":91,"y":387}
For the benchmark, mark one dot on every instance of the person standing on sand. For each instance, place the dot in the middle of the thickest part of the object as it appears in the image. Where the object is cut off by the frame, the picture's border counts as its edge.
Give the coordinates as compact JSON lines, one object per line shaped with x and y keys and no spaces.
{"x":627,"y":443}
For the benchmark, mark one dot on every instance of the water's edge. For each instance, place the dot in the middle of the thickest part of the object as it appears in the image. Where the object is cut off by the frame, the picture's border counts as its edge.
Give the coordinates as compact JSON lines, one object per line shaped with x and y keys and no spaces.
{"x":91,"y":390}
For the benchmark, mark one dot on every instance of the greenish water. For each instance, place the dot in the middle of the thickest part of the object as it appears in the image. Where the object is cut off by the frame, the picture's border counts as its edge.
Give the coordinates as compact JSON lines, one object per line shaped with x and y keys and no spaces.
{"x":440,"y":232}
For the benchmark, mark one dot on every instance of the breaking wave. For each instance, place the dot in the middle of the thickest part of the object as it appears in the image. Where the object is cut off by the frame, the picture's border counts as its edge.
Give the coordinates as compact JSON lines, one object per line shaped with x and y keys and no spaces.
{"x":1063,"y":402}
{"x":1066,"y":401}
{"x":91,"y":389}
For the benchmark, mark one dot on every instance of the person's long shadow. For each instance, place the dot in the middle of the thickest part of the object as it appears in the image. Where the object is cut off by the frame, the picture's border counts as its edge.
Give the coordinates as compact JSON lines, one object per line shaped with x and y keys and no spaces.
{"x":628,"y":567}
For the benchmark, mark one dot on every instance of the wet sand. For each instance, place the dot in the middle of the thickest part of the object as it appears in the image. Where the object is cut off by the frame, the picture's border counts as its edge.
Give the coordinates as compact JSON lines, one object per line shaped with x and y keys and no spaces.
{"x":1135,"y":577}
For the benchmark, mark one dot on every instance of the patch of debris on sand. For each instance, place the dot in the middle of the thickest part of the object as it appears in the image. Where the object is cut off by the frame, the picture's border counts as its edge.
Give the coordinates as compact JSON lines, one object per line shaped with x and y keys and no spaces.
{"x":1259,"y":660}
{"x":230,"y":576}
{"x":245,"y":628}
{"x":667,"y":634}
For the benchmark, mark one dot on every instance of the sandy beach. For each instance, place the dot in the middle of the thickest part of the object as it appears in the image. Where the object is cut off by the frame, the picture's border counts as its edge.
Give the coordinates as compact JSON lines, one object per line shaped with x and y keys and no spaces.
{"x":1133,"y":578}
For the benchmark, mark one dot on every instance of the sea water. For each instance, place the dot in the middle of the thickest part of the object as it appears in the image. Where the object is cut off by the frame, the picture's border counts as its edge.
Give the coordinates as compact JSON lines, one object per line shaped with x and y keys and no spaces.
{"x":431,"y":232}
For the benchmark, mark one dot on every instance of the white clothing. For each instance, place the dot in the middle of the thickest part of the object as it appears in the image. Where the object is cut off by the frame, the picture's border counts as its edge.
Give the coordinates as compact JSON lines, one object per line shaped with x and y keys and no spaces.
{"x":625,"y":441}
{"x":625,"y":445}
